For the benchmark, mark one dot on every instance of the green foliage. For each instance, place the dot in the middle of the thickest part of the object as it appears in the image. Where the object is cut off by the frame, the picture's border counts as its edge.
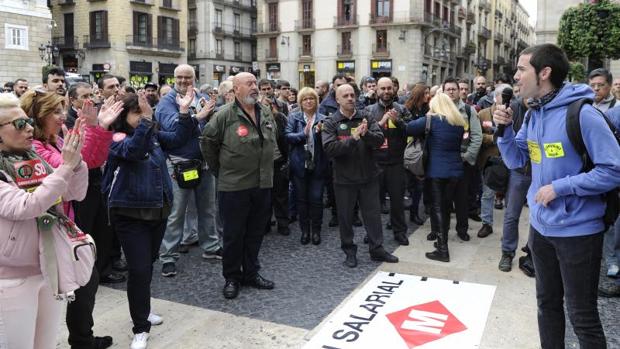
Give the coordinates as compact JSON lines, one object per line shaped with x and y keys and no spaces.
{"x":577,"y":72}
{"x":591,"y":30}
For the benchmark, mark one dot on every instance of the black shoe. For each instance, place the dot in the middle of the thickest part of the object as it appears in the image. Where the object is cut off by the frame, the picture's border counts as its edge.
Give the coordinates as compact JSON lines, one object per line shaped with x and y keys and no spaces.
{"x":505,"y":264}
{"x":357,"y":222}
{"x":437,"y":255}
{"x":401,"y":238}
{"x":183,"y":248}
{"x":333,"y":222}
{"x":231,"y":289}
{"x":316,"y":238}
{"x":475,"y":217}
{"x":432,"y":236}
{"x":119,"y":265}
{"x":499,"y":204}
{"x":284,"y":231}
{"x":413,"y":218}
{"x":259,"y":282}
{"x":102,"y":342}
{"x":485,"y":231}
{"x":112,"y":278}
{"x":609,"y":291}
{"x":169,"y":269}
{"x":384,"y":208}
{"x":388,"y":226}
{"x":351,"y":260}
{"x":383,"y":256}
{"x":366,"y":239}
{"x":463,"y":236}
{"x":305,"y":238}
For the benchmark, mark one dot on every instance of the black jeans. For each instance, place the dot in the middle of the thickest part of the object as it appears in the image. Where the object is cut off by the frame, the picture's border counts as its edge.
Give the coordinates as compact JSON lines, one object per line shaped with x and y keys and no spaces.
{"x":368,"y":195}
{"x":442,"y":192}
{"x":393,"y":178}
{"x":80,"y":314}
{"x":245,"y":214}
{"x":140,"y":240}
{"x":279,"y":193}
{"x":567,"y":268}
{"x":462,"y":199}
{"x":309,"y":191}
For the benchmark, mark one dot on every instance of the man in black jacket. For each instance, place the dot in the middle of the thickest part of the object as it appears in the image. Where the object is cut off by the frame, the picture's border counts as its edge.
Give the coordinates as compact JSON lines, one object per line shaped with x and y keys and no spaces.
{"x":350,"y":138}
{"x":391,"y":118}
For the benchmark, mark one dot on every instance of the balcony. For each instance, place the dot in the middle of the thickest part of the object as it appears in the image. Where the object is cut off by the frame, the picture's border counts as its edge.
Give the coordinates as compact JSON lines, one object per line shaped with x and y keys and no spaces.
{"x":498,"y":13}
{"x":522,"y":44}
{"x":66,"y":2}
{"x":141,"y":44}
{"x":240,"y":4}
{"x":455,"y":29}
{"x":142,"y":2}
{"x":305,"y":53}
{"x":96,"y":43}
{"x":462,"y":13}
{"x":484,"y":5}
{"x":170,"y":5}
{"x":267,"y":28}
{"x":471,"y":17}
{"x":229,"y":30}
{"x":238,"y":56}
{"x":500,"y":60}
{"x":499,"y":37}
{"x":381,"y":51}
{"x":346,"y":22}
{"x":484,"y":32}
{"x":428,"y":50}
{"x":217,"y":54}
{"x":306,"y":24}
{"x":344,"y":52}
{"x":378,"y":20}
{"x":271,"y":55}
{"x":469,"y":48}
{"x":66,"y":43}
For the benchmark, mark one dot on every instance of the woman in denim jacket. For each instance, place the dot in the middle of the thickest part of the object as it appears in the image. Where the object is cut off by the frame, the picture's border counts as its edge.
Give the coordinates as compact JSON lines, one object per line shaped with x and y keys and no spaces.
{"x":139,"y":192}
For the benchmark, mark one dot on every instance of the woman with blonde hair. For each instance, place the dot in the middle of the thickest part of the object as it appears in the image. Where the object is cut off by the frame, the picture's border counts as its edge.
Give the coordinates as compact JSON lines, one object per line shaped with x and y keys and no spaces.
{"x":30,"y":215}
{"x":308,"y":163}
{"x":444,"y":166}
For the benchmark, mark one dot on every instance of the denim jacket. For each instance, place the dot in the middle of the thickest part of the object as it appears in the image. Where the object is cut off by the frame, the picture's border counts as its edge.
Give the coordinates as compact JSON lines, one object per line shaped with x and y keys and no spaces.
{"x":136,"y":174}
{"x":296,"y":137}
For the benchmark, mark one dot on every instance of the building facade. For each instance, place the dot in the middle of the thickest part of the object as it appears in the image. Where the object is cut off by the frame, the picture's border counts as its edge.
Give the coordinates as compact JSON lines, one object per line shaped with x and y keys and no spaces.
{"x":26,"y":25}
{"x":413,"y":40}
{"x":221,"y":38}
{"x":141,"y":40}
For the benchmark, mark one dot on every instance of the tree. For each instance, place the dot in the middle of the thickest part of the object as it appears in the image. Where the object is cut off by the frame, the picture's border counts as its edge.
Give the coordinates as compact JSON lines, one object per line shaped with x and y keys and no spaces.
{"x":591,"y":31}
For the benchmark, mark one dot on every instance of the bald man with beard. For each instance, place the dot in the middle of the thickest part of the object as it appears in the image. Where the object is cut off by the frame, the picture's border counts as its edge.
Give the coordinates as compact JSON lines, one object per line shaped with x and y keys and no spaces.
{"x":350,"y":138}
{"x":238,"y":144}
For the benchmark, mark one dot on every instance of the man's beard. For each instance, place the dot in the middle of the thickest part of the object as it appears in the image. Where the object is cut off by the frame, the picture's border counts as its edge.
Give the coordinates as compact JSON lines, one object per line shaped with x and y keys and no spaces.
{"x":249,"y":99}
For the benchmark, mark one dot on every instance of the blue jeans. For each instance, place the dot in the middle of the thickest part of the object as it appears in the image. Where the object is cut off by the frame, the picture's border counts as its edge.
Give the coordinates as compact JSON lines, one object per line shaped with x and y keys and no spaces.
{"x":518,"y":185}
{"x":487,"y":200}
{"x":205,"y":208}
{"x":617,"y":243}
{"x":567,"y":269}
{"x":190,"y":228}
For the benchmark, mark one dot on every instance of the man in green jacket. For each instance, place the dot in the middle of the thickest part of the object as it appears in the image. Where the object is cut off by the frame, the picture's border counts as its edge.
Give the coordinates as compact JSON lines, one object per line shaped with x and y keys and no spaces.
{"x":238,"y":145}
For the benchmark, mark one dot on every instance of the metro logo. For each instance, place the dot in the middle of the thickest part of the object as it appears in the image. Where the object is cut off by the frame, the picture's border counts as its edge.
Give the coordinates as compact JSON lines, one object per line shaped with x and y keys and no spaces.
{"x":424,"y":323}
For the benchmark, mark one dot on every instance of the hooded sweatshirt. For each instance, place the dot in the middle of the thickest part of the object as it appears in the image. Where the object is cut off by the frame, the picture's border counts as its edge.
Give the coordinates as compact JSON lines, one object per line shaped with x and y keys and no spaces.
{"x":578,"y":208}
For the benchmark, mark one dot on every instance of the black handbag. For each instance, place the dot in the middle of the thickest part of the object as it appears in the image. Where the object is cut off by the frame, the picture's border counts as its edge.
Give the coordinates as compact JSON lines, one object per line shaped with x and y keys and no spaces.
{"x":187,"y":173}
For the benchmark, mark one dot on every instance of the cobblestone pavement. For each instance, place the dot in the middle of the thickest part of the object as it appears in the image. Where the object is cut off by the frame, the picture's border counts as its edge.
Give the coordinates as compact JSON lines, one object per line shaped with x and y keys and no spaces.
{"x":311,"y":281}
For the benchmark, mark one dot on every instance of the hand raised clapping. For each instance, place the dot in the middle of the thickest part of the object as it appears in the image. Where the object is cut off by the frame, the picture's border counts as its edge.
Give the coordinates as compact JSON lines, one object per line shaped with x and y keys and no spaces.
{"x":110,"y":110}
{"x":73,"y":142}
{"x":186,"y":101}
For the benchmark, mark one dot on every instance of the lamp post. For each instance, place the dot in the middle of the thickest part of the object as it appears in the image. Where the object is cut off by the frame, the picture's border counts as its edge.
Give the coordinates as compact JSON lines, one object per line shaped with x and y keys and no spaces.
{"x":48,"y":52}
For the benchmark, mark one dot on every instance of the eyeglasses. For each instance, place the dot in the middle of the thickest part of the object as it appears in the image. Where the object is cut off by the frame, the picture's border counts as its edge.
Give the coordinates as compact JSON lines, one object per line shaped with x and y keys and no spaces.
{"x":20,"y":124}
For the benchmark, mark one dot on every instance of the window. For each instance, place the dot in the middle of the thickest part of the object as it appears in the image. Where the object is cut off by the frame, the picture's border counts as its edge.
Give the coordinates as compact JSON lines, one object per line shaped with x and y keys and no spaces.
{"x":445,"y":14}
{"x":437,"y":11}
{"x":383,"y":8}
{"x":381,"y":40}
{"x":307,"y":48}
{"x":69,"y":33}
{"x":237,"y":22}
{"x":218,"y":18}
{"x":273,"y":47}
{"x":219,"y":49}
{"x":428,"y":7}
{"x":347,"y":10}
{"x":237,"y":50}
{"x":346,"y":42}
{"x":307,"y":13}
{"x":254,"y":50}
{"x":141,"y":28}
{"x":192,"y":48}
{"x":273,"y":16}
{"x":168,"y":32}
{"x":253,"y":24}
{"x":99,"y":27}
{"x":16,"y":36}
{"x":167,"y":3}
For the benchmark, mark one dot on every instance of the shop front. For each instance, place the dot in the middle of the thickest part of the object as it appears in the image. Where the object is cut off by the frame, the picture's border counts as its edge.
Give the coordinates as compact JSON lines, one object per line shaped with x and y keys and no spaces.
{"x":273,"y":71}
{"x":166,"y":73}
{"x":98,"y":70}
{"x":380,"y":68}
{"x":346,"y":67}
{"x":306,"y":75}
{"x":234,"y":70}
{"x":140,"y":73}
{"x":218,"y":74}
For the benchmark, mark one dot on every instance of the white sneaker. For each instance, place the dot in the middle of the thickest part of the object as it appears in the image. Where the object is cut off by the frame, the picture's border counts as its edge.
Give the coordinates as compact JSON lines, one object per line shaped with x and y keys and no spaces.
{"x":155,"y":319}
{"x":139,"y":340}
{"x":613,"y":270}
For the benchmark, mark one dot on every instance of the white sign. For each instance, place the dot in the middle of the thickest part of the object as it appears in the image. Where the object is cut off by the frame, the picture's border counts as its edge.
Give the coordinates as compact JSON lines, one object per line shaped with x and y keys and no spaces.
{"x":400,"y":311}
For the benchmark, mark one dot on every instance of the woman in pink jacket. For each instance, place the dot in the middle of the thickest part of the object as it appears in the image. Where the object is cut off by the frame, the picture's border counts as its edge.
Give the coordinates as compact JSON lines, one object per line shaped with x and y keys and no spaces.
{"x":30,"y":189}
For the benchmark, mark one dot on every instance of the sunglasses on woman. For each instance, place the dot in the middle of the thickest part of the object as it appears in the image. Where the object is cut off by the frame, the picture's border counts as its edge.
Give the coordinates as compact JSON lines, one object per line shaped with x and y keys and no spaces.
{"x":19,"y":124}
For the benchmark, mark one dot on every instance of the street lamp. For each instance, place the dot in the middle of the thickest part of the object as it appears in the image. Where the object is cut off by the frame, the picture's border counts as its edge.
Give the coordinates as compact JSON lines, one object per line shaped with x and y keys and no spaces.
{"x":48,"y":52}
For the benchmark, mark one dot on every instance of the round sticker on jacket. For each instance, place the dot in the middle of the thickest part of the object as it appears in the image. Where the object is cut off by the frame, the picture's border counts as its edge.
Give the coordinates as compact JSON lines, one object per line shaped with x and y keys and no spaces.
{"x":118,"y":136}
{"x":242,"y":131}
{"x":343,"y":126}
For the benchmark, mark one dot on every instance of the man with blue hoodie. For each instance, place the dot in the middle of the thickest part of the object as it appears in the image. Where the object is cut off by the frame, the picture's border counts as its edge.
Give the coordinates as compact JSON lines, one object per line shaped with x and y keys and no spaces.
{"x":566,"y":206}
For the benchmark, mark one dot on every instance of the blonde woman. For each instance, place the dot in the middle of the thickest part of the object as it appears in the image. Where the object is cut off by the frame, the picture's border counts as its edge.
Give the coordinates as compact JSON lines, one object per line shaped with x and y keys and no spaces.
{"x":444,"y":165}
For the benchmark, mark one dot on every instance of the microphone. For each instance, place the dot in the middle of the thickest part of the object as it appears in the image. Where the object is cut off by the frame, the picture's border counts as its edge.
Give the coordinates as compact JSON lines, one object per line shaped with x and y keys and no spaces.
{"x":506,"y":97}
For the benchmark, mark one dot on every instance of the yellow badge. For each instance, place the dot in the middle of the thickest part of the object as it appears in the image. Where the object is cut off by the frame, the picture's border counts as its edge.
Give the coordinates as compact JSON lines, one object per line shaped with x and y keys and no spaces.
{"x":353,"y":130}
{"x":554,"y":150}
{"x":534,"y":149}
{"x":391,"y":124}
{"x":190,"y":175}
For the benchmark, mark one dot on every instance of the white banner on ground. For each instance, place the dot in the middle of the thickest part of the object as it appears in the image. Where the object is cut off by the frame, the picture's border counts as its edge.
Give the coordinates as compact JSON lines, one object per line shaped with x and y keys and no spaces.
{"x":399,"y":311}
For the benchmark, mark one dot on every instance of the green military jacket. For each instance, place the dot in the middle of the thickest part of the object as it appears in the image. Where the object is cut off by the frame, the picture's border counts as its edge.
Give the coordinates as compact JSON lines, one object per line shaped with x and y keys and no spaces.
{"x":236,"y":152}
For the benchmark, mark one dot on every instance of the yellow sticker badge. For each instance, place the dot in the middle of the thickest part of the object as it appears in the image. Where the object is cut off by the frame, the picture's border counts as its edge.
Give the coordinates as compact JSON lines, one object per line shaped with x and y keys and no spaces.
{"x":190,"y":175}
{"x":534,"y":149}
{"x":554,"y":150}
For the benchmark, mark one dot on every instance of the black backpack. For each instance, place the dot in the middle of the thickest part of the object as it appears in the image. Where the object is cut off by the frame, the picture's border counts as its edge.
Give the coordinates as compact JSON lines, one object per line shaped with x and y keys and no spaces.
{"x":573,"y":130}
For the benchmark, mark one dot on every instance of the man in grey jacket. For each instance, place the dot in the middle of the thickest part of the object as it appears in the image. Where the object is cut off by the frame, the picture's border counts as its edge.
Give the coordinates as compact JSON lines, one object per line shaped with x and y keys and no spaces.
{"x":472,"y":140}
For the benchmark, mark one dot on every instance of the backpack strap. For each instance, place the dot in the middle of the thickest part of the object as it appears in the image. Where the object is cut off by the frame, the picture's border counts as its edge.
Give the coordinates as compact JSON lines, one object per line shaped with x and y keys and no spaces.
{"x":573,"y":130}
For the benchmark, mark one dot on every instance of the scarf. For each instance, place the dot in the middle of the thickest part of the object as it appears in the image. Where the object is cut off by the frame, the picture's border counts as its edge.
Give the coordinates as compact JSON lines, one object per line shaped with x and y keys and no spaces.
{"x":537,"y":103}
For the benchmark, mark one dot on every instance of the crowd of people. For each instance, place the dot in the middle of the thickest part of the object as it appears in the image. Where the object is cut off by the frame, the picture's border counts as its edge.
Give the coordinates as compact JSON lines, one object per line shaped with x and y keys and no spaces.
{"x":144,"y":174}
